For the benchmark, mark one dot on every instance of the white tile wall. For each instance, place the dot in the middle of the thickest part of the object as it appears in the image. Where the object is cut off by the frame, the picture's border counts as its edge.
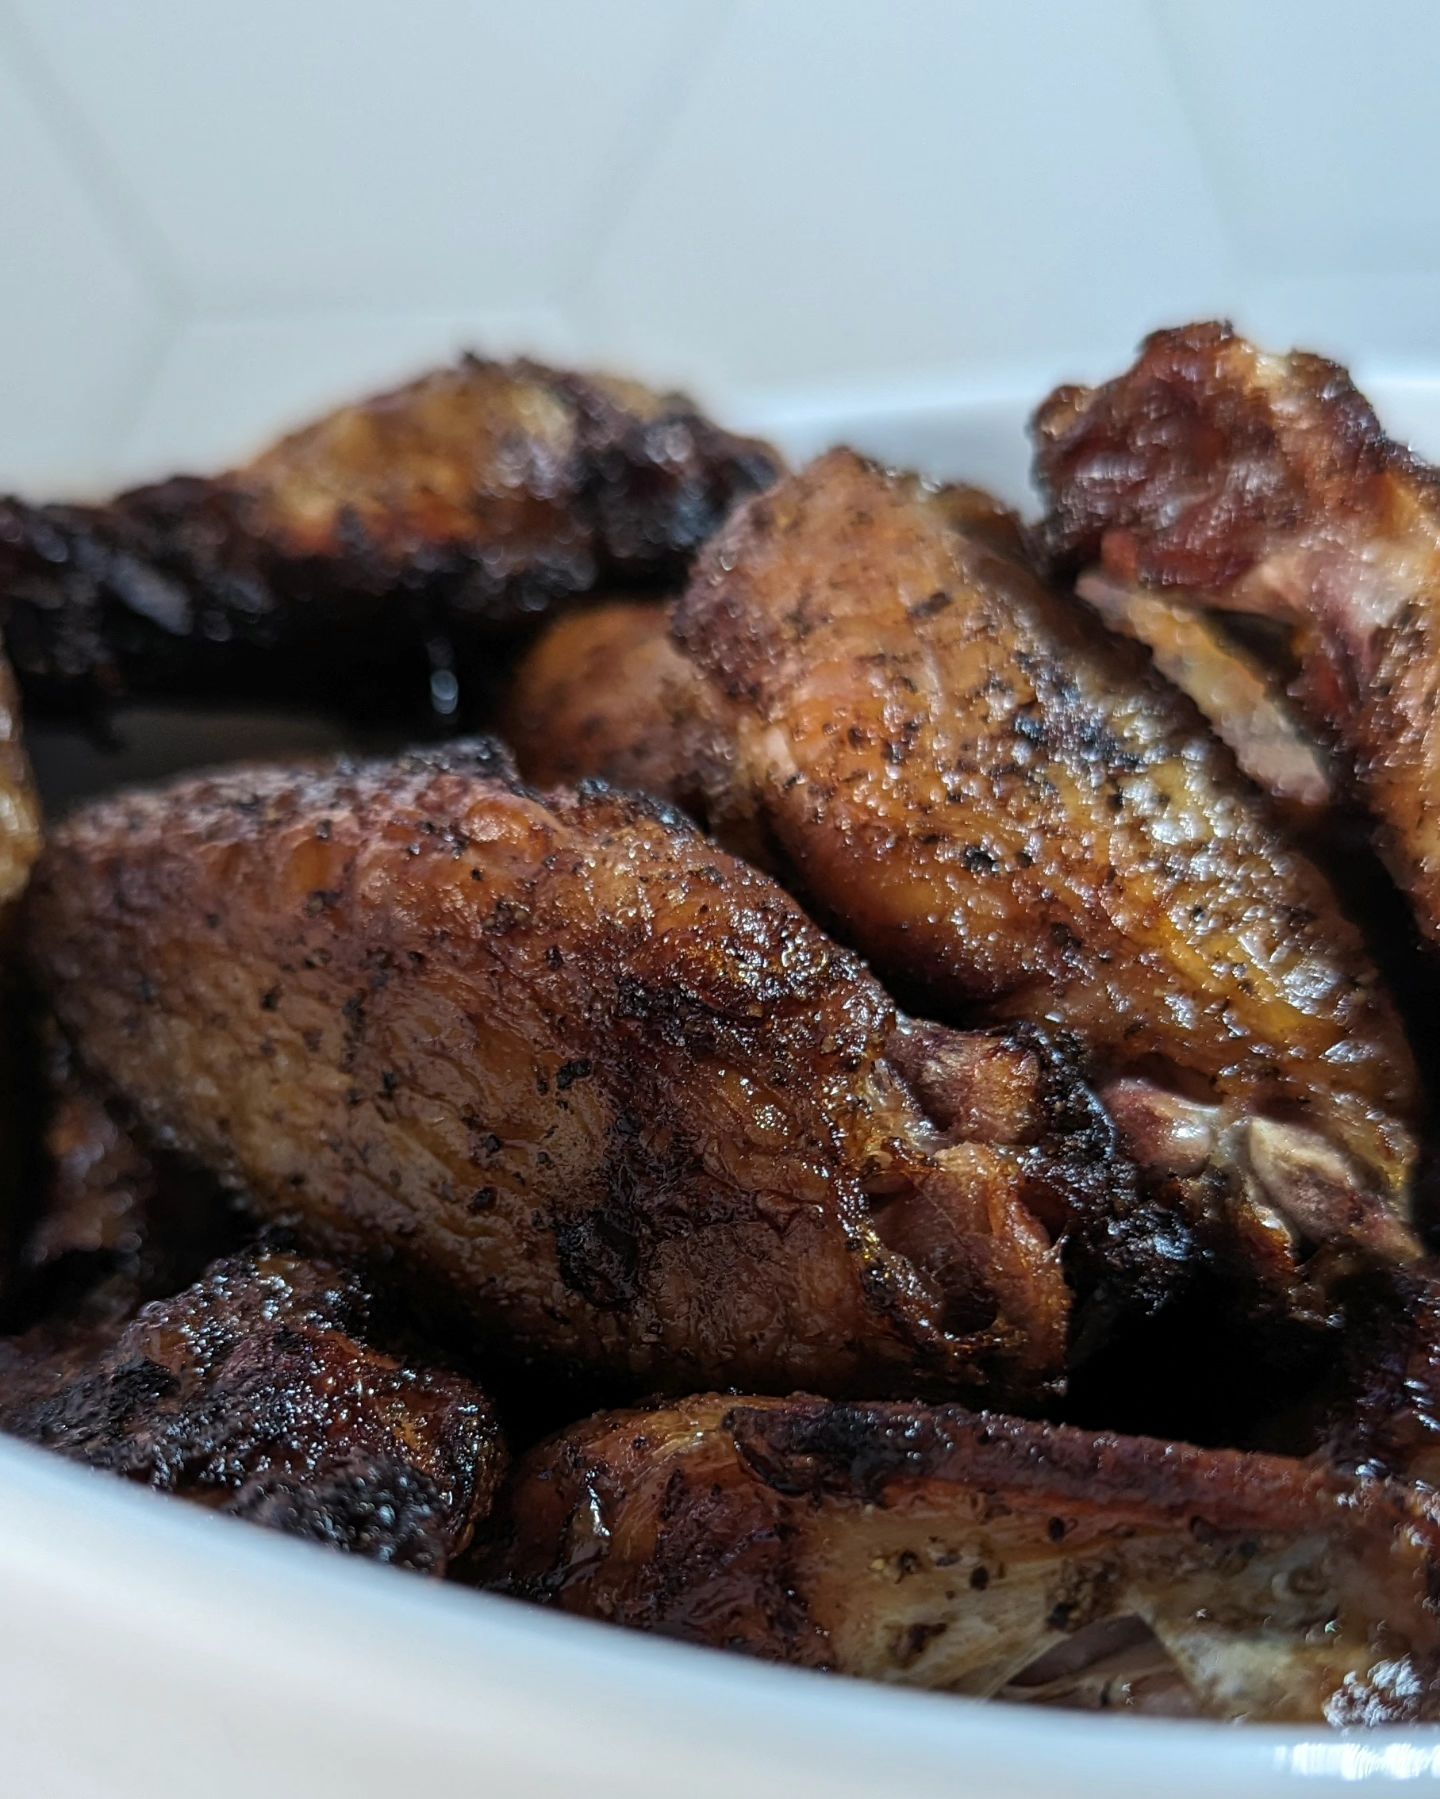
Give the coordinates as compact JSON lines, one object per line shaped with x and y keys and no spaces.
{"x":215,"y":217}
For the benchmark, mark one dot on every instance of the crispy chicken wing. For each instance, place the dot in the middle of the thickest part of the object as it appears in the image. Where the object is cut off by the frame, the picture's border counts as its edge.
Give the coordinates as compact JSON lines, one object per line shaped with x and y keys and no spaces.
{"x":1006,"y":809}
{"x":598,"y":1089}
{"x":982,"y":1555}
{"x":269,"y":1390}
{"x":1264,"y":484}
{"x":356,"y":560}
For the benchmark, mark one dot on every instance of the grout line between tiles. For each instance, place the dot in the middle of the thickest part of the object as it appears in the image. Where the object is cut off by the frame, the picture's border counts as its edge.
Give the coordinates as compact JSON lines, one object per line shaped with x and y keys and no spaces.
{"x":120,"y":211}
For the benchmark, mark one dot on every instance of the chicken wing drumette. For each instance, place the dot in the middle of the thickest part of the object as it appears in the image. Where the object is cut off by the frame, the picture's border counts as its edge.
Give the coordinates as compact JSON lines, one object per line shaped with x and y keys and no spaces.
{"x":603,"y":1093}
{"x":355,"y":563}
{"x":975,"y":1553}
{"x":1221,"y":476}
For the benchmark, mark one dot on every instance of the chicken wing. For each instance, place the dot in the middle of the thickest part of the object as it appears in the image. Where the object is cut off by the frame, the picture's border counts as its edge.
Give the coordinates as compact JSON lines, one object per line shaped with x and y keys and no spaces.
{"x":1006,"y":810}
{"x":602,"y":1092}
{"x":981,"y":1555}
{"x":355,"y":562}
{"x":1264,"y":484}
{"x":604,"y":691}
{"x":268,"y":1390}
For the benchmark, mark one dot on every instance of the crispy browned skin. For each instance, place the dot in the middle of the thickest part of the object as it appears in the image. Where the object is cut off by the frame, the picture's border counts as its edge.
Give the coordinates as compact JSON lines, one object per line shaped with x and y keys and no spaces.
{"x":1265,"y":484}
{"x":983,"y":1555}
{"x":584,"y":1079}
{"x":1007,"y":810}
{"x":266,"y":1390}
{"x":358,"y":561}
{"x":604,"y":691}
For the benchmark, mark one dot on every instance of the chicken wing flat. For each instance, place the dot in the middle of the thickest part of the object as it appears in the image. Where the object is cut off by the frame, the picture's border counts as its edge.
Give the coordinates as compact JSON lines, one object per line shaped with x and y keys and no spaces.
{"x":356,"y":560}
{"x":600,"y":1091}
{"x":267,"y":1391}
{"x":982,"y":1555}
{"x":1264,"y":484}
{"x":1006,"y":810}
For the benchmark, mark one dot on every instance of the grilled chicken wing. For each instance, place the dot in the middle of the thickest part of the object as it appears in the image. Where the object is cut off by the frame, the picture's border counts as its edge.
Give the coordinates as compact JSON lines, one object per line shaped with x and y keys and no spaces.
{"x":354,"y":561}
{"x":600,"y":1090}
{"x":1264,"y":484}
{"x":267,"y":1390}
{"x":982,"y":1555}
{"x":1006,"y":809}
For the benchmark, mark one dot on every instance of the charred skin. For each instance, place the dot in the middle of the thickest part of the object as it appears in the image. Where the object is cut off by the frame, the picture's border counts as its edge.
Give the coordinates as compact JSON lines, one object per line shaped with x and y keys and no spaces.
{"x":367,"y":560}
{"x":1006,"y":808}
{"x":1264,"y":484}
{"x":602,"y":1093}
{"x":265,"y":1391}
{"x":982,"y":1555}
{"x":118,"y":1222}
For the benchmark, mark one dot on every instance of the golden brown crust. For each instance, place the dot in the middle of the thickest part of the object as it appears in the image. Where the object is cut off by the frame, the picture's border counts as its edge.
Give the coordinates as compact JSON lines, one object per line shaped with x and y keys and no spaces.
{"x":1265,"y":484}
{"x":266,"y":1390}
{"x":577,"y":1075}
{"x":605,"y":692}
{"x":360,"y":561}
{"x":1006,"y":809}
{"x":946,"y":1548}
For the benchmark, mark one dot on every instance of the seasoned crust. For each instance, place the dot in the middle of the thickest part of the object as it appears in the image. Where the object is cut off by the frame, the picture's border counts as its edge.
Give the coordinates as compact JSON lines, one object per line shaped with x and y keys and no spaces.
{"x":945,"y":1548}
{"x":1265,"y":484}
{"x":270,"y":1390}
{"x":361,"y":556}
{"x":1005,"y":808}
{"x":579,"y":1077}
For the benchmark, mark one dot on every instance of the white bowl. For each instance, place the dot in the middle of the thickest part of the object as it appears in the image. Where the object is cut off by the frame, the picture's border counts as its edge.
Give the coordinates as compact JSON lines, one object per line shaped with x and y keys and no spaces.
{"x":148,"y":1648}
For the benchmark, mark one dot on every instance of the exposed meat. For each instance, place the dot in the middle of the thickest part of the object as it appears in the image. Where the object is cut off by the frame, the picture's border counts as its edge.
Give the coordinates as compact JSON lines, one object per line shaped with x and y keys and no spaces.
{"x":602,"y":1092}
{"x":1006,"y":809}
{"x":982,"y":1555}
{"x":270,"y":1391}
{"x":357,"y":563}
{"x":1242,"y":699}
{"x":1265,"y":485}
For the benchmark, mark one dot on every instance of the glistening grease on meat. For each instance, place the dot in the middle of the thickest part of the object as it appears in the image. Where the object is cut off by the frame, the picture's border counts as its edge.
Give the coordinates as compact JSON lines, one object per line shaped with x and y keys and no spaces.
{"x":581,"y":1078}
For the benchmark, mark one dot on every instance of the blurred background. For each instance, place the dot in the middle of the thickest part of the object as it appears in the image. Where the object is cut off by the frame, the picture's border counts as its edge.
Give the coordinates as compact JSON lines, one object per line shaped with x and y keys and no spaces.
{"x":216,"y":217}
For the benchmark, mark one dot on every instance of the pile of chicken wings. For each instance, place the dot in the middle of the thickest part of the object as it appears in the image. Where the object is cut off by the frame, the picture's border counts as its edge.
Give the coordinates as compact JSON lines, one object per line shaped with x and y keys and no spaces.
{"x":860,"y":1092}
